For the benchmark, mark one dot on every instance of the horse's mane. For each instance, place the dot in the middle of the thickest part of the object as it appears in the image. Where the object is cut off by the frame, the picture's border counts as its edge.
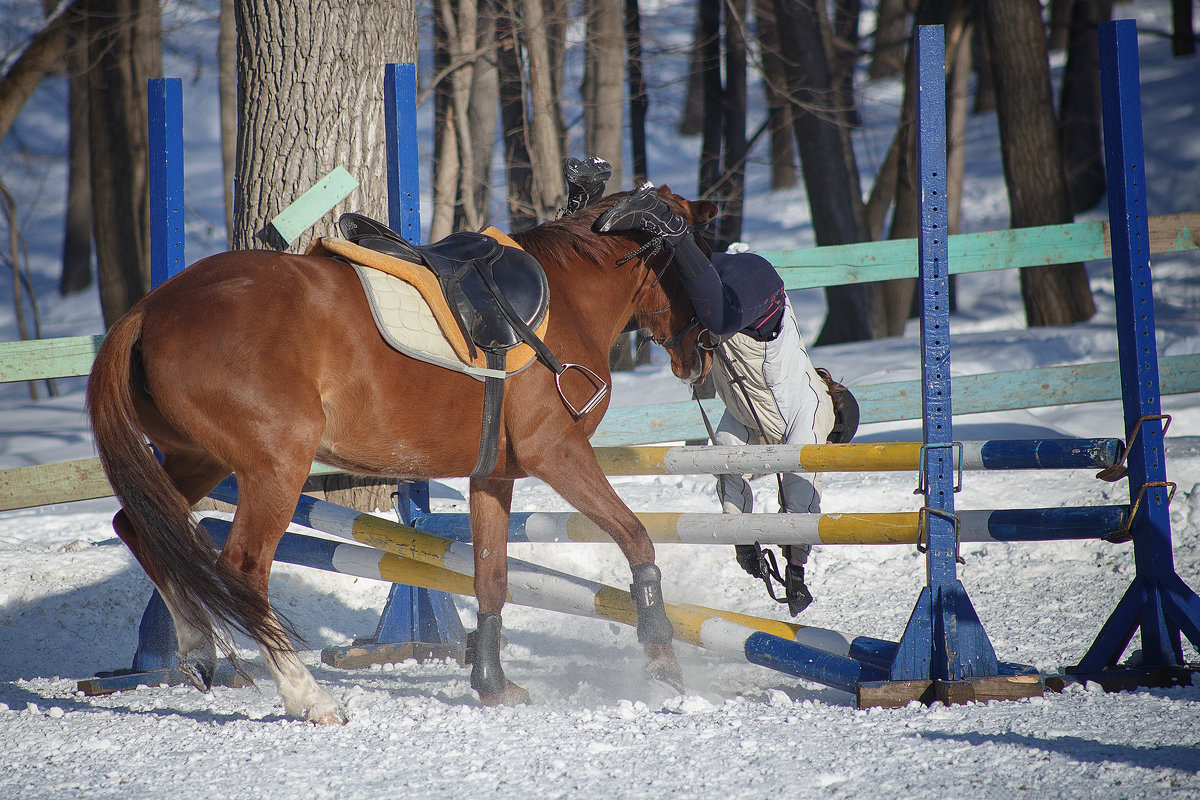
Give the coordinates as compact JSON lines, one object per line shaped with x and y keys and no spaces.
{"x":571,"y":237}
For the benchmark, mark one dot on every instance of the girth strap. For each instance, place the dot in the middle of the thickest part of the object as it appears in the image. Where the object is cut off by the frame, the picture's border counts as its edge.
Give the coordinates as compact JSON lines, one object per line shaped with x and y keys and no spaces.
{"x":489,"y":432}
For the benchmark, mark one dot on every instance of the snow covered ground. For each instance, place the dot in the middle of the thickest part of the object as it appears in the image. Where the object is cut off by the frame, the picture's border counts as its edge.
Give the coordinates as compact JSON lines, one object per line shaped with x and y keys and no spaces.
{"x":71,"y":595}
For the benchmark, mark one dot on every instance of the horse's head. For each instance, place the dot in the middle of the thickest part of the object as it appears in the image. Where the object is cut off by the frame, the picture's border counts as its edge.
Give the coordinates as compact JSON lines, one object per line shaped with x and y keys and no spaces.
{"x":664,"y":307}
{"x":659,"y":302}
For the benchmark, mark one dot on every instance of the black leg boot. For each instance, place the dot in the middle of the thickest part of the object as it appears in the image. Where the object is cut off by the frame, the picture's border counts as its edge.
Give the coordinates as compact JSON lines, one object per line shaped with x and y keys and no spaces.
{"x":653,"y":627}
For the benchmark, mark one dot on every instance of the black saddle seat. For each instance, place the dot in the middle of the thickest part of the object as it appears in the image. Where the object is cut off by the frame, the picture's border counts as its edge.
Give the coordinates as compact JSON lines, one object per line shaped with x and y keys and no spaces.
{"x":478,"y":275}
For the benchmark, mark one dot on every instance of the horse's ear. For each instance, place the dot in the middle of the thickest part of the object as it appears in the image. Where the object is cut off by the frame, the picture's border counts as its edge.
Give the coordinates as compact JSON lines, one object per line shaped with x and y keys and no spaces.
{"x":699,"y":212}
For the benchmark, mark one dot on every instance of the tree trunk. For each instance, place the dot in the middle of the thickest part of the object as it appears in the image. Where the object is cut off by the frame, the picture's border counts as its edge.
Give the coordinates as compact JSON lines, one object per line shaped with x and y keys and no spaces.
{"x":710,"y":147}
{"x":77,"y":225}
{"x":856,"y":312}
{"x":845,"y":57}
{"x":322,"y":108}
{"x":638,"y":101}
{"x":733,"y":167}
{"x":125,"y":48}
{"x":43,"y":54}
{"x":481,"y":114}
{"x":1183,"y":32}
{"x":1079,"y":115}
{"x":512,"y":112}
{"x":891,"y":39}
{"x":779,"y":115}
{"x":981,"y":57}
{"x":1033,"y":165}
{"x":1061,"y":12}
{"x":691,"y":120}
{"x":227,"y":68}
{"x":545,"y":141}
{"x":604,"y":83}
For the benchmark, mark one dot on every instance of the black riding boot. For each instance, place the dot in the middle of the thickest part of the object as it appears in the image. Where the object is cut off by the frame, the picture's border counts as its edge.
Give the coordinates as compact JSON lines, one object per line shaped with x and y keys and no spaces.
{"x":794,"y":589}
{"x":645,"y":212}
{"x":585,"y":181}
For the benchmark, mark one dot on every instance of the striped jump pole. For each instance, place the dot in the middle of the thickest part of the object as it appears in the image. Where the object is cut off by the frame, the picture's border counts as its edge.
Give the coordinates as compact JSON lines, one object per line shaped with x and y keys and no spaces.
{"x":407,"y":556}
{"x":856,"y":457}
{"x":906,"y":527}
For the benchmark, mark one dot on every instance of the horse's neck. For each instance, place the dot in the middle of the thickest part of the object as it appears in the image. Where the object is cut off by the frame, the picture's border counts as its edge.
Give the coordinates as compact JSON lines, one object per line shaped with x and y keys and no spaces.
{"x":601,"y":302}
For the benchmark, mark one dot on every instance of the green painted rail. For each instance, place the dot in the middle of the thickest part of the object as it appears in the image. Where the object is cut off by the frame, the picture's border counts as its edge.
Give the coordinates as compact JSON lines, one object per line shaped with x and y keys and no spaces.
{"x":82,"y":479}
{"x":975,"y":252}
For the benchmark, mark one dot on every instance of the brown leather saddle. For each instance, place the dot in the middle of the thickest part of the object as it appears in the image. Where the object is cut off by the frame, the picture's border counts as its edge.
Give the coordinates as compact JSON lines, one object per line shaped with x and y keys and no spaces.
{"x":497,"y":295}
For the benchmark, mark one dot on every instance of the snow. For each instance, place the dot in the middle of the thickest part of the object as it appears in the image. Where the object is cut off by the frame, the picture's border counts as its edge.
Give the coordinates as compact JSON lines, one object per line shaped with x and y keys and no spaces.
{"x":71,"y":595}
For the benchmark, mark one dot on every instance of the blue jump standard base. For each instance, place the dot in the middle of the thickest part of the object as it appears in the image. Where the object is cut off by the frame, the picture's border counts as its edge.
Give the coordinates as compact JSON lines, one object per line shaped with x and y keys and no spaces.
{"x":1157,"y":601}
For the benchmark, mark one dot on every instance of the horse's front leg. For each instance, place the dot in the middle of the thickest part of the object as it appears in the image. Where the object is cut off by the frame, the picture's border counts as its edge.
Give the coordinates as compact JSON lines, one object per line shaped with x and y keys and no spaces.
{"x":574,"y":473}
{"x":491,"y":500}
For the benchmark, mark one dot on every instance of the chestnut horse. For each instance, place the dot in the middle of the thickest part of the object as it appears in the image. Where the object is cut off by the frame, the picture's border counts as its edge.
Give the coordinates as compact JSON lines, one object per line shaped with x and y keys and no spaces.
{"x":257,"y":363}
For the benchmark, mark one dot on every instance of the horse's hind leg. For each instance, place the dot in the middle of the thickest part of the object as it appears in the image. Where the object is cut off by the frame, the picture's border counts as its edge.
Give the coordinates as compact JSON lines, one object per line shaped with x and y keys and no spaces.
{"x":573,"y":472}
{"x":193,"y":474}
{"x":265,"y":506}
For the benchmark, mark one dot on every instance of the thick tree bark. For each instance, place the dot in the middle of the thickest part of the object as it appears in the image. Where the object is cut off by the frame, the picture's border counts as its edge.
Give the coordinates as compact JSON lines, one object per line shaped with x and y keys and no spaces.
{"x":891,"y":38}
{"x":1033,"y":165}
{"x":604,"y":83}
{"x":639,"y":103}
{"x":1183,"y":30}
{"x":710,"y":147}
{"x":322,"y":107}
{"x":733,"y":167}
{"x":521,"y":213}
{"x":545,"y":140}
{"x":691,"y":118}
{"x":482,"y":112}
{"x":1079,"y":115}
{"x":43,"y":54}
{"x":845,"y":57}
{"x":227,"y":69}
{"x":856,"y":312}
{"x":77,"y":223}
{"x":779,"y":115}
{"x":125,"y":48}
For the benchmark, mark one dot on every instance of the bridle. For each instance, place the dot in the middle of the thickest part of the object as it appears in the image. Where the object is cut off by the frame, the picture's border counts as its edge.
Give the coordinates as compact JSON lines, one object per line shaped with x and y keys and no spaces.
{"x":674,"y":339}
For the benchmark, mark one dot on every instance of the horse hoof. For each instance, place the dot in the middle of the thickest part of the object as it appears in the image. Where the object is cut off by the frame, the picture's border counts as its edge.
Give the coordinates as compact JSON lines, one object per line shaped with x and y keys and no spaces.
{"x":663,"y":667}
{"x":199,"y":673}
{"x":510,"y":695}
{"x":330,"y":713}
{"x":334,"y":716}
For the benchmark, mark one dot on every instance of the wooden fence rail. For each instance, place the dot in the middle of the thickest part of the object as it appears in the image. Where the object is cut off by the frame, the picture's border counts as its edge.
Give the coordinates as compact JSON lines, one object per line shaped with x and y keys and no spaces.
{"x":82,"y":479}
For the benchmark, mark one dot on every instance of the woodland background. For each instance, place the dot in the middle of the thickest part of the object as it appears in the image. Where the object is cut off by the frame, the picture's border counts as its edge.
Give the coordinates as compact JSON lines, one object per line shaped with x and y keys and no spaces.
{"x":515,"y":85}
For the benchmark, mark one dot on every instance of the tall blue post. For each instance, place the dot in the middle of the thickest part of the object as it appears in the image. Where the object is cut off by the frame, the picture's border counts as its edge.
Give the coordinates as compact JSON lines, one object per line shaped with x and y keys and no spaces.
{"x":157,"y":648}
{"x":944,"y":640}
{"x":1157,"y":601}
{"x":415,"y":622}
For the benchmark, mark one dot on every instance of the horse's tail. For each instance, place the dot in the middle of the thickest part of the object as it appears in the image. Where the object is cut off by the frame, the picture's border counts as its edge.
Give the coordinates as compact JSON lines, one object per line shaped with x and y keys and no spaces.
{"x":175,"y":552}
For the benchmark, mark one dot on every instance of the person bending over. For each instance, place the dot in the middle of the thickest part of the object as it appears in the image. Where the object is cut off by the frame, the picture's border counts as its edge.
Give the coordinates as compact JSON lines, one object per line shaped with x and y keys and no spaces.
{"x":761,"y":369}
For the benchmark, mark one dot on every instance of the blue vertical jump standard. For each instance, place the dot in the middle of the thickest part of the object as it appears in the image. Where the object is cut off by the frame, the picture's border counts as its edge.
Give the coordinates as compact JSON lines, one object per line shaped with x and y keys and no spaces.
{"x":944,"y":642}
{"x":1157,"y":600}
{"x":415,"y":623}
